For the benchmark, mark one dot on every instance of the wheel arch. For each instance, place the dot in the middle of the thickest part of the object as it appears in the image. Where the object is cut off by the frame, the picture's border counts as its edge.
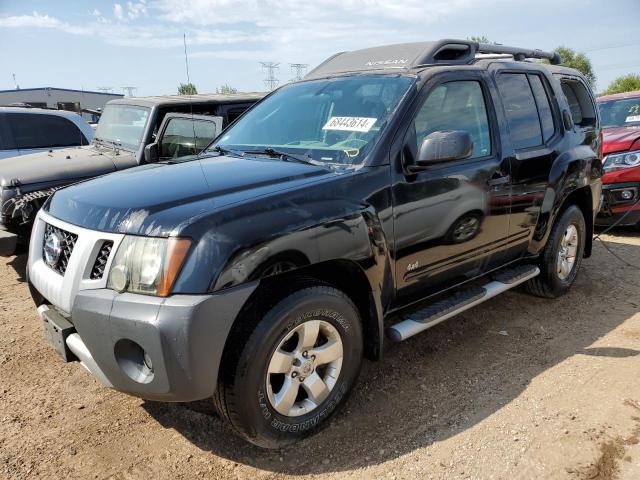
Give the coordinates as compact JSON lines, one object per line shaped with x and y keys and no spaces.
{"x":344,"y":275}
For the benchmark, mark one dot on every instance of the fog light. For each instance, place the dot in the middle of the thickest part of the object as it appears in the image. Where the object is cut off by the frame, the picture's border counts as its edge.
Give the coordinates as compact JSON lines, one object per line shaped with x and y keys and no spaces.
{"x":147,"y":361}
{"x":133,"y":360}
{"x":626,"y":194}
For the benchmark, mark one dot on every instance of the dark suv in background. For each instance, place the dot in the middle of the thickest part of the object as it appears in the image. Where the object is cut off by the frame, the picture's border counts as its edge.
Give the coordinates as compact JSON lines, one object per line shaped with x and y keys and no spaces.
{"x":391,"y":189}
{"x":125,"y":128}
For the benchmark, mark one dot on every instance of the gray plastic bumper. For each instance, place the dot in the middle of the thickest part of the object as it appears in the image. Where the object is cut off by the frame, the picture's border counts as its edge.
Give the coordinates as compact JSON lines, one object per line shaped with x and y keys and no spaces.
{"x":166,"y":349}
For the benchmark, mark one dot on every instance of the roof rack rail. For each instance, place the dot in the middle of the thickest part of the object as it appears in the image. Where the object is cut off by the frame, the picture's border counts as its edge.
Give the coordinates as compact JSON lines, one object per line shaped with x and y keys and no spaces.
{"x":405,"y":56}
{"x":519,"y":53}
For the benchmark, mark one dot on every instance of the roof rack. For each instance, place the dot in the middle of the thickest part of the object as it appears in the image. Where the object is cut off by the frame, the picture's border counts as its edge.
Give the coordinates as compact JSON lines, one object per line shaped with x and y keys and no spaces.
{"x":406,"y":56}
{"x":518,"y":53}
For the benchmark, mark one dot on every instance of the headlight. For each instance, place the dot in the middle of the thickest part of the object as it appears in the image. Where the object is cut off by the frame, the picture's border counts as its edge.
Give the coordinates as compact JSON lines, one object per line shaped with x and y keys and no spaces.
{"x":147,"y":265}
{"x":617,"y":161}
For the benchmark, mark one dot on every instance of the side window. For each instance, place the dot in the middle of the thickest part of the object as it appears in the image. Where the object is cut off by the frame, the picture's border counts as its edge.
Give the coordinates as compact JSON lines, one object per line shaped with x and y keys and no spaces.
{"x":43,"y":131}
{"x":581,"y":106}
{"x":184,"y":136}
{"x":520,"y":107}
{"x":544,"y":107}
{"x":457,"y":105}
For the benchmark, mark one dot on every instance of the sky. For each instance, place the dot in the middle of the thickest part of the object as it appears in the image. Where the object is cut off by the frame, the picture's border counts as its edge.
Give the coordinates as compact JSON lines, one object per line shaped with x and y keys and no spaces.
{"x":86,"y":44}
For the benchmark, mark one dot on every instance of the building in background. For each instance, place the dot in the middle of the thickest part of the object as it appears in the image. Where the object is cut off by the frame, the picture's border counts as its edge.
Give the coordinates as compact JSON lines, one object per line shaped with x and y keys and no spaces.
{"x":81,"y":101}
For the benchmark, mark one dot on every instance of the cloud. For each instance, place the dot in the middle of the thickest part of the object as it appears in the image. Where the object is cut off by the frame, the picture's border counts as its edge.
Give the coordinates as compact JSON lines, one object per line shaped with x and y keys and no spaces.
{"x":118,"y":12}
{"x":134,"y":10}
{"x":279,"y":30}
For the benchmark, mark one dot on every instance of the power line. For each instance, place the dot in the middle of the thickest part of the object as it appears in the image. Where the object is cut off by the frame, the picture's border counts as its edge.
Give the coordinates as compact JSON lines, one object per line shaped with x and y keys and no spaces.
{"x":270,"y":69}
{"x":105,"y":89}
{"x":620,"y":45}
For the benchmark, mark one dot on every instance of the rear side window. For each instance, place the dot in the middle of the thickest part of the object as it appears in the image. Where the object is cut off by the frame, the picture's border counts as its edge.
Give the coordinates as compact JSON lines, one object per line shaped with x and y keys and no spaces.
{"x":32,"y":130}
{"x":583,"y":111}
{"x":521,"y":111}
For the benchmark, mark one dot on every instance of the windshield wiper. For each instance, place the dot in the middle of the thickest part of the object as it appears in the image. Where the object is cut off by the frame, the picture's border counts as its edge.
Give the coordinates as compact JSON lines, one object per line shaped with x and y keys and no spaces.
{"x":226,"y":151}
{"x":287,"y":157}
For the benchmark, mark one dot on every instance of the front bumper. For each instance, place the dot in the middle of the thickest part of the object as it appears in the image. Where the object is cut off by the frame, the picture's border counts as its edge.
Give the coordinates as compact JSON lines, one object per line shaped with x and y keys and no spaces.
{"x":614,"y":207}
{"x":166,"y":349}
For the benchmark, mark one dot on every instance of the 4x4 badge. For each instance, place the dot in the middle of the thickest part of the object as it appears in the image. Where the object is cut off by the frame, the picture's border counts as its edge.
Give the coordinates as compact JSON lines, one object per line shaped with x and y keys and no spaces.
{"x":413,"y":266}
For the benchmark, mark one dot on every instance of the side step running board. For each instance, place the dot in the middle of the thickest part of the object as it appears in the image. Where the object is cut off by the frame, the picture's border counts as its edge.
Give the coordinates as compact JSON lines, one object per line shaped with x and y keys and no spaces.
{"x":446,"y":308}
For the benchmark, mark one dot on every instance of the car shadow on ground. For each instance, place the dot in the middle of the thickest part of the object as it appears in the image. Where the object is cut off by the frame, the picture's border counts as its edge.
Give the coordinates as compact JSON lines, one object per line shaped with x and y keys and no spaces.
{"x":444,"y":381}
{"x":19,"y":264}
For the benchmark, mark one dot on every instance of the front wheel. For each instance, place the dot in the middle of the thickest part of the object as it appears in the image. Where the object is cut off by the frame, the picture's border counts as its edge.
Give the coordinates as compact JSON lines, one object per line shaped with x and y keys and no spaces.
{"x":294,"y":369}
{"x":562,"y":256}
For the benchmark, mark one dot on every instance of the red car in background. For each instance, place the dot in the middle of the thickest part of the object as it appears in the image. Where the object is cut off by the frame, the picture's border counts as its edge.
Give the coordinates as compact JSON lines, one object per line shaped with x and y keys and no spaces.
{"x":620,"y":117}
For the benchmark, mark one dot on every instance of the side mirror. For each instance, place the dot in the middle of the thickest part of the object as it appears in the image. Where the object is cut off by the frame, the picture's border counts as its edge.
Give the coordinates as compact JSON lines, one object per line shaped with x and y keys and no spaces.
{"x":151,"y":153}
{"x":444,"y":146}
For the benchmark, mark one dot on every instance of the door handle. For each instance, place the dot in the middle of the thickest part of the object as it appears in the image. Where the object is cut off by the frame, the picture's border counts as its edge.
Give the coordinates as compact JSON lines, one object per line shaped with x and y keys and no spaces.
{"x":492,"y":182}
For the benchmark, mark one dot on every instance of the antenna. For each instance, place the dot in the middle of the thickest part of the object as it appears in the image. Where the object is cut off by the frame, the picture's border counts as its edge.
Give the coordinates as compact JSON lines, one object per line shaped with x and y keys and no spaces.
{"x":299,"y":69}
{"x":105,"y":89}
{"x":270,"y":69}
{"x":130,"y":90}
{"x":186,"y":64}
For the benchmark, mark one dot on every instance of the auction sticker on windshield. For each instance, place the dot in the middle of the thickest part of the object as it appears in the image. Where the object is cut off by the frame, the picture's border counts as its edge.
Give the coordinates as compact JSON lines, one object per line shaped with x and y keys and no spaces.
{"x":350,"y":124}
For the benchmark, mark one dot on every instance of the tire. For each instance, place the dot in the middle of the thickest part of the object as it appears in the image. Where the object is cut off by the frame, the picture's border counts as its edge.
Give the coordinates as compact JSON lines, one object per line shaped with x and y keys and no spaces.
{"x":552,"y":281}
{"x":465,"y":228}
{"x":247,"y":395}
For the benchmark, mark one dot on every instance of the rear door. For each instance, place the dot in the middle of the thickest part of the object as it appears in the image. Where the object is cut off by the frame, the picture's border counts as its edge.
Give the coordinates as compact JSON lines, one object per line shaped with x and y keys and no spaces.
{"x":532,"y":140}
{"x":184,"y":134}
{"x":452,"y":219}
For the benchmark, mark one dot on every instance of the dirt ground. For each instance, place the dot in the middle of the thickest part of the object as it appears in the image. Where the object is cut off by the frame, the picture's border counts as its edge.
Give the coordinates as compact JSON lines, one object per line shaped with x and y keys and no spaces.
{"x":519,"y":387}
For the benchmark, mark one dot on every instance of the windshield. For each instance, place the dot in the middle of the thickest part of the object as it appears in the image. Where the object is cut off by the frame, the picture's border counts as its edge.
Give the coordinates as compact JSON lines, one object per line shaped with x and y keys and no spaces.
{"x":123,"y":125}
{"x":332,"y":121}
{"x":620,"y":113}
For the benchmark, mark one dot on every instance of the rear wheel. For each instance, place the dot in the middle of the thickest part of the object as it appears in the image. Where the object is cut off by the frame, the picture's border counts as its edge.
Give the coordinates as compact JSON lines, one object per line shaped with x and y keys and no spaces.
{"x":562,"y":256}
{"x":294,"y":369}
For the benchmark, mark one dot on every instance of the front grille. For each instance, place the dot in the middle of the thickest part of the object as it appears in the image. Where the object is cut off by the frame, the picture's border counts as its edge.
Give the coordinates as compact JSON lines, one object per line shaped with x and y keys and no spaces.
{"x":67,"y":242}
{"x":97,"y":272}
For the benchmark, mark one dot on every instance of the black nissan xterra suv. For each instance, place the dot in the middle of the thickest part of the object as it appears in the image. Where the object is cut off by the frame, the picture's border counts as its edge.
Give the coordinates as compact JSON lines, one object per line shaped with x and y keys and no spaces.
{"x":389,"y":190}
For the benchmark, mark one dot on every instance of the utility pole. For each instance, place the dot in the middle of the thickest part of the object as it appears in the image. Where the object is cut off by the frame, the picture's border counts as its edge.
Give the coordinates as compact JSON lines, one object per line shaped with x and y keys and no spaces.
{"x":105,"y":89}
{"x":270,"y":69}
{"x":130,"y":91}
{"x":299,"y":70}
{"x":14,"y":81}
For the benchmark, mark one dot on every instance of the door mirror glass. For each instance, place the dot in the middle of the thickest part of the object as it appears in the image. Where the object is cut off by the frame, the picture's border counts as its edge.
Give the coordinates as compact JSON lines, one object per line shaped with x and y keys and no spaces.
{"x":151,"y":153}
{"x":445,"y":146}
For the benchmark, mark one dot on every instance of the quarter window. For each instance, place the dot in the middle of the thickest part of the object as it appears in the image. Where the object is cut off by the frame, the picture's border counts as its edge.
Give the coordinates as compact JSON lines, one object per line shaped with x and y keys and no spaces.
{"x":456,"y":105}
{"x":582,"y":109}
{"x":44,"y":131}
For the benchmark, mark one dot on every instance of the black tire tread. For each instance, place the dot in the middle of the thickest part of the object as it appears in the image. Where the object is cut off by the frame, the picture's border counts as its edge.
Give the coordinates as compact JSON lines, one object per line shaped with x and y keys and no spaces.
{"x":539,"y":286}
{"x":224,"y":399}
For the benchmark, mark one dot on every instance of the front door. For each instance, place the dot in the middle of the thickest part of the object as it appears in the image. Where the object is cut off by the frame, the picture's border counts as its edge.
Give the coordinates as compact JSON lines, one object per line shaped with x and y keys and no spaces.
{"x":451,"y":219}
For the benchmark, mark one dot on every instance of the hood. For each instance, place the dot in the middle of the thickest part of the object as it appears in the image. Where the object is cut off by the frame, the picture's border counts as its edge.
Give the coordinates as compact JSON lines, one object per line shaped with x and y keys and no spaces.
{"x":58,"y":165}
{"x":155,"y":200}
{"x":619,"y":139}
